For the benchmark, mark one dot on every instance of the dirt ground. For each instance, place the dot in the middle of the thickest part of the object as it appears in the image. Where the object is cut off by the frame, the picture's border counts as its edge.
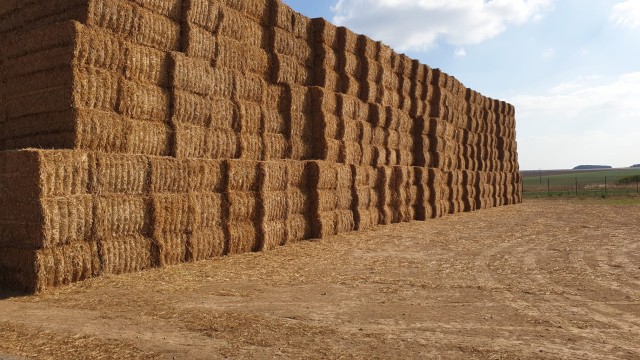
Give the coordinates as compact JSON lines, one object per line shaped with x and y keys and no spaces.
{"x":545,"y":279}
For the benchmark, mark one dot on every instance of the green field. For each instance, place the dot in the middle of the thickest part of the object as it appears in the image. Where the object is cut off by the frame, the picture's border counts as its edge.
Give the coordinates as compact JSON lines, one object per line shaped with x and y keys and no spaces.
{"x":597,"y":183}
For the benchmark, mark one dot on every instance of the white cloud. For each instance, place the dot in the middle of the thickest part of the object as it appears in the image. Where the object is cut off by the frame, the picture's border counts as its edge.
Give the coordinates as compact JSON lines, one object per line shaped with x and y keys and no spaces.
{"x":589,"y":120}
{"x":549,"y":53}
{"x":419,"y":24}
{"x":626,"y":13}
{"x":460,"y":52}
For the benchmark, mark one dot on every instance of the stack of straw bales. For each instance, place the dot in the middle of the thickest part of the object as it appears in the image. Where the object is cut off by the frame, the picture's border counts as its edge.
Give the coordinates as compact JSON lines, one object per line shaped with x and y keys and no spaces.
{"x":183,"y":130}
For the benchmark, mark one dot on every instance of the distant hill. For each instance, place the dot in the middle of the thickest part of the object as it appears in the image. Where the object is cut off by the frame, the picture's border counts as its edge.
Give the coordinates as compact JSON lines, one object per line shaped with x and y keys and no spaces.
{"x":635,"y":166}
{"x":591,"y":167}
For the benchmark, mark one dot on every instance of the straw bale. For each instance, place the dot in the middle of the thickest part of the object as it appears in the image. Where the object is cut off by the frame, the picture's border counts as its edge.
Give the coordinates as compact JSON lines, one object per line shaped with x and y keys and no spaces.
{"x":299,"y":228}
{"x":144,"y":64}
{"x":86,"y":87}
{"x":172,"y":248}
{"x":206,"y":111}
{"x":275,"y":122}
{"x":327,"y":79}
{"x":286,"y":43}
{"x":276,"y":146}
{"x":273,"y":176}
{"x":205,"y":13}
{"x":298,"y":201}
{"x":325,"y":33}
{"x":378,"y":136}
{"x":205,"y":175}
{"x":121,"y":174}
{"x":297,"y":174}
{"x":107,"y":132}
{"x":327,"y":124}
{"x":323,"y":101}
{"x":327,"y":200}
{"x":288,"y":70}
{"x":118,"y":215}
{"x":350,"y":85}
{"x":62,"y":44}
{"x":326,"y":58}
{"x":274,"y":234}
{"x":198,"y":42}
{"x":274,"y":205}
{"x":244,"y":237}
{"x":351,"y":153}
{"x":328,"y":149}
{"x":61,"y":220}
{"x":171,"y":213}
{"x":301,"y":149}
{"x":242,"y":175}
{"x":249,"y":88}
{"x":28,"y":40}
{"x":345,"y":221}
{"x":197,"y":76}
{"x":139,"y":24}
{"x":380,"y":156}
{"x":301,"y":98}
{"x":368,"y":155}
{"x":171,"y":9}
{"x":251,"y":146}
{"x":198,"y":142}
{"x":145,"y":102}
{"x":250,"y":117}
{"x":349,"y":130}
{"x":205,"y":244}
{"x":126,"y":254}
{"x":324,"y":225}
{"x":205,"y":210}
{"x":351,"y":65}
{"x":34,"y":271}
{"x":236,"y":25}
{"x":243,"y":205}
{"x":234,"y":55}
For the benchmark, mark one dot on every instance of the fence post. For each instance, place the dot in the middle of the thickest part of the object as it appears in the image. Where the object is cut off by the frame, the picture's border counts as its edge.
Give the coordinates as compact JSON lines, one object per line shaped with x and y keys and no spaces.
{"x":548,"y":188}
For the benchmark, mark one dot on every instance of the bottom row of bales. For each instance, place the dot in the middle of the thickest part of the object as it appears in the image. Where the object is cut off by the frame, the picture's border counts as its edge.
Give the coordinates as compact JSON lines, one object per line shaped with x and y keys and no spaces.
{"x":69,"y":215}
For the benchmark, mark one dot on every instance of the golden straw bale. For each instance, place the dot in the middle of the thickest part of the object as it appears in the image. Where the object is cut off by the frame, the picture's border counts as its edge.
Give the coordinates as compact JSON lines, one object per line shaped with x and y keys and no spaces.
{"x":172,"y":248}
{"x":325,"y":33}
{"x":276,"y":146}
{"x":127,"y":254}
{"x":288,"y":70}
{"x":171,"y":214}
{"x":251,"y":146}
{"x":145,"y":102}
{"x":204,"y":244}
{"x":198,"y":42}
{"x":205,"y":13}
{"x":274,"y":205}
{"x":122,"y":174}
{"x":273,"y":176}
{"x":238,"y":26}
{"x":199,"y":142}
{"x":345,"y":221}
{"x":256,"y":9}
{"x":242,"y":175}
{"x":299,"y":227}
{"x":274,"y":234}
{"x":133,"y":22}
{"x":119,"y":215}
{"x":145,"y":64}
{"x":33,"y":271}
{"x":206,"y":210}
{"x":244,"y":237}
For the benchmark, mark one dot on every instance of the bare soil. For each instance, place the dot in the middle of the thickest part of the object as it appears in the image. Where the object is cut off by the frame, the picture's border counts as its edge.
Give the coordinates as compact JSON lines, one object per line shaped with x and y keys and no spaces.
{"x":544,"y":279}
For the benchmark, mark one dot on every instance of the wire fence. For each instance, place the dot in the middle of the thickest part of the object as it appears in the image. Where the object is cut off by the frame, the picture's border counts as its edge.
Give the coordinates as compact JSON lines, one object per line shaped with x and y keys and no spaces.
{"x":581,"y":185}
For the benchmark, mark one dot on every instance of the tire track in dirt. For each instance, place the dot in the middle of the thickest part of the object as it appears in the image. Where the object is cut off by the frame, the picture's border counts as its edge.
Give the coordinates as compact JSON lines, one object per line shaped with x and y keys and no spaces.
{"x":527,"y":252}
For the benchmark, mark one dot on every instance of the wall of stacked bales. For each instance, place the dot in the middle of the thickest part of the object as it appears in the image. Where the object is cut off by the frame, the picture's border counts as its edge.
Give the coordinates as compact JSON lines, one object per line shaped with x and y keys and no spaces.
{"x":181,"y":130}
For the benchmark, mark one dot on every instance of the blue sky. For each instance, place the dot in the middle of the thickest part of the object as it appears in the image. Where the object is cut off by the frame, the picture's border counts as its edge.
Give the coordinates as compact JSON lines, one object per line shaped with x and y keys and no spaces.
{"x":570,"y":67}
